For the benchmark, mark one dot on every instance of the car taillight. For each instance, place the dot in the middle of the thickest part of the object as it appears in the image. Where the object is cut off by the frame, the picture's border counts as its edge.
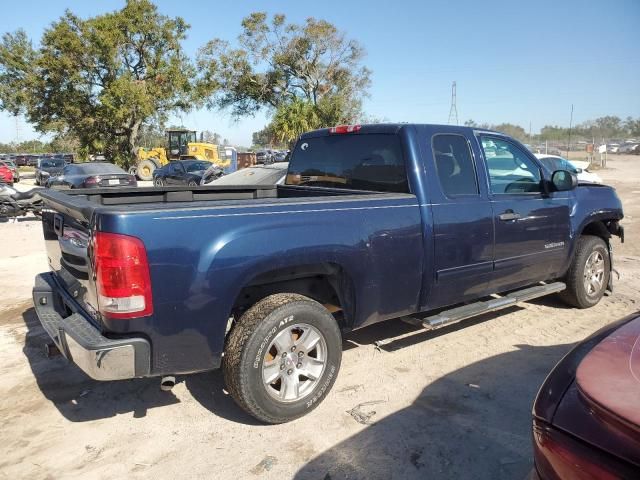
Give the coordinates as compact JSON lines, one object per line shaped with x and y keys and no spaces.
{"x":122,"y":276}
{"x":560,"y":456}
{"x":345,"y":129}
{"x":92,"y":180}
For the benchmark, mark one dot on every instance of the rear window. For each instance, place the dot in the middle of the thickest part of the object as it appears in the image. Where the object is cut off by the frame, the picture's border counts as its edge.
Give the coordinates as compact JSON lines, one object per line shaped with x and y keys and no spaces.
{"x":359,"y":162}
{"x":96,"y":168}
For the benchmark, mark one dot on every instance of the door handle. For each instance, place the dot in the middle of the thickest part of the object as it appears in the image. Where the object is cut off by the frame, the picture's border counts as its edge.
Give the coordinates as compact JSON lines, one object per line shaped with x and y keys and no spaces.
{"x":508,"y":216}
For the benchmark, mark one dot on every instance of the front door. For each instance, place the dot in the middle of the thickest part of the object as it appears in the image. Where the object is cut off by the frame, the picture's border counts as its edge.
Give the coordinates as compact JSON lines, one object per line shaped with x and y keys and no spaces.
{"x":531,"y":226}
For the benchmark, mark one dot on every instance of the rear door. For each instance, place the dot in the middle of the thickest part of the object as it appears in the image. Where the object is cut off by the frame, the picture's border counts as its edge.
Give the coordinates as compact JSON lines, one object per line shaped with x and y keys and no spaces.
{"x":531,"y":225}
{"x":462,"y":219}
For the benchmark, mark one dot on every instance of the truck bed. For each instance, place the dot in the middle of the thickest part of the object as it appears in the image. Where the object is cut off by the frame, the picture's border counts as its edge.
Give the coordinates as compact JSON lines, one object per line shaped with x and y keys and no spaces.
{"x":82,"y":203}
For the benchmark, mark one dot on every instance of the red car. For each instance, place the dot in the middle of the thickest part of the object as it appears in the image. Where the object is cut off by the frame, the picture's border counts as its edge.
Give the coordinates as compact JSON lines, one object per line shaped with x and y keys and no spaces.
{"x":586,"y":417}
{"x":6,"y":175}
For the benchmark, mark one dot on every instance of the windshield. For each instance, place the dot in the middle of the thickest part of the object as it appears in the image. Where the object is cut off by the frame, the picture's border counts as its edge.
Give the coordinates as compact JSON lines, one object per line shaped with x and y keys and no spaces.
{"x":52,"y":163}
{"x":557,"y":163}
{"x":196,"y":166}
{"x":360,"y":162}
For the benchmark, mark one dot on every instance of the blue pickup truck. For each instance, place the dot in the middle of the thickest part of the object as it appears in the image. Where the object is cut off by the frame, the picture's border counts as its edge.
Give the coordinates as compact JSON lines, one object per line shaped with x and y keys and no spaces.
{"x":433,"y":224}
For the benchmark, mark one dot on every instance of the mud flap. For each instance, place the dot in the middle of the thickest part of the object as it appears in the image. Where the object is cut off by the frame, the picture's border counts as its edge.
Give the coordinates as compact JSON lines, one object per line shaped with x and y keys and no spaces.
{"x":612,"y":270}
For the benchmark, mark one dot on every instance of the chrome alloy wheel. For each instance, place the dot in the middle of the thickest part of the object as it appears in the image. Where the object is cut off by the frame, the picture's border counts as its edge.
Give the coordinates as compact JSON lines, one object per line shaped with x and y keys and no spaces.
{"x":294,"y":362}
{"x":594,"y":273}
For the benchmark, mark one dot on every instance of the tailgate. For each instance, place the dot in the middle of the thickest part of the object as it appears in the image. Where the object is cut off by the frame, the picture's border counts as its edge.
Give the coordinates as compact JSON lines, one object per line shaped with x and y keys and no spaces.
{"x":67,"y":240}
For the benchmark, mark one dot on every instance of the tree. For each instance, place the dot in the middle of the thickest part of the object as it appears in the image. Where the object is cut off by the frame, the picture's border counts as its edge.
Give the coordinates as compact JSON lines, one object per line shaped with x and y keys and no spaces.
{"x":211,"y":137}
{"x":99,"y":79}
{"x":293,"y":119}
{"x":278,"y":63}
{"x":515,"y":131}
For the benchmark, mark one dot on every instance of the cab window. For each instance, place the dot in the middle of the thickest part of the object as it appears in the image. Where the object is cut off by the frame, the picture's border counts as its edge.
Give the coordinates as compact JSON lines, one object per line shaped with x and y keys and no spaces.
{"x":511,"y":170}
{"x":454,"y":165}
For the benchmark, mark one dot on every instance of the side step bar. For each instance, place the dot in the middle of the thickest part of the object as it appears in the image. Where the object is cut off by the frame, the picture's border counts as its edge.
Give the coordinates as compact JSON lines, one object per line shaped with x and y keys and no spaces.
{"x":478,"y":308}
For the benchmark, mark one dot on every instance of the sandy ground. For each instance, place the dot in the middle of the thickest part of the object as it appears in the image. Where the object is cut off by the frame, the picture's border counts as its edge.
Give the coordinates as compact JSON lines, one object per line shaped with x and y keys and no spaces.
{"x":454,"y":403}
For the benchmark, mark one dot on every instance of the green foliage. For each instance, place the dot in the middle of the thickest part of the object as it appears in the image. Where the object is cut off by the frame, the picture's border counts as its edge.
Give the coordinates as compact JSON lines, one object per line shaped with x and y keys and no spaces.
{"x":99,"y":79}
{"x":278,"y":64}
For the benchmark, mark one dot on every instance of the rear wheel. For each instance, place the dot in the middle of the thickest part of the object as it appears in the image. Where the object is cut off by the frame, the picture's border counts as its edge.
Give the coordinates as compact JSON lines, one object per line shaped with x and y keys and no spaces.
{"x":192,"y":183}
{"x":158,"y":182}
{"x":282,"y":357}
{"x":588,"y":275}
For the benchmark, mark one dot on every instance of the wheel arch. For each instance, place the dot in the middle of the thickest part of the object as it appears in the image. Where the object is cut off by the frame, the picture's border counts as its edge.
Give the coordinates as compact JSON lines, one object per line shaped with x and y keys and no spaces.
{"x":327,"y":283}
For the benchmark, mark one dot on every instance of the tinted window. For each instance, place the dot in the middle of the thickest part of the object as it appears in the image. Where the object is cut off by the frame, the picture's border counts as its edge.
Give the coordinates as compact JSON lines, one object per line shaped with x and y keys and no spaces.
{"x":197,"y":166}
{"x":359,"y":161}
{"x":510,"y":168}
{"x":454,"y":165}
{"x":97,"y":168}
{"x":52,"y":163}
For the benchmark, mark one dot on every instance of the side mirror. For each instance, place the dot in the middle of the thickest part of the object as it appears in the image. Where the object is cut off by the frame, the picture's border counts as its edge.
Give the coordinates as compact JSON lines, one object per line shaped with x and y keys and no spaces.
{"x":564,"y":180}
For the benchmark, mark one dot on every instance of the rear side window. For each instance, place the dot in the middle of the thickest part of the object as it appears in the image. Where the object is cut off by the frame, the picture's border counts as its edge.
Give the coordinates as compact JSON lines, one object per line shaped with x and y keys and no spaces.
{"x":454,"y":164}
{"x":359,"y":162}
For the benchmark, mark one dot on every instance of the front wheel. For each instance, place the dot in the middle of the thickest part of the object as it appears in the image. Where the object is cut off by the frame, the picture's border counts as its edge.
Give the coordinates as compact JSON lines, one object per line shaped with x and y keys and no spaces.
{"x":588,"y":275}
{"x":282,"y":357}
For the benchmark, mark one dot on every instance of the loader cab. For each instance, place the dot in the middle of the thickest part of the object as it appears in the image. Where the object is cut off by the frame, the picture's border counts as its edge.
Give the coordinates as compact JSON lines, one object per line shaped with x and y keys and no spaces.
{"x":178,"y":143}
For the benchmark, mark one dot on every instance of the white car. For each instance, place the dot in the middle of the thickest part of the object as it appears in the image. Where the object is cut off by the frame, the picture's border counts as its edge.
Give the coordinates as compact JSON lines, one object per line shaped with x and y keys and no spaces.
{"x":580,"y":168}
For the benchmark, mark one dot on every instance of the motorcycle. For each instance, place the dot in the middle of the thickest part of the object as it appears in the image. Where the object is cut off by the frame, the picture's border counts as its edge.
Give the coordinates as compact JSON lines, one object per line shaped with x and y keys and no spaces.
{"x":17,"y":204}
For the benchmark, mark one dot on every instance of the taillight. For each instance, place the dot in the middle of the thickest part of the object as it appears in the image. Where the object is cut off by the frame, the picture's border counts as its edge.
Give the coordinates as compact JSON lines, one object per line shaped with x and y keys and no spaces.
{"x":92,"y":180}
{"x":122,"y":276}
{"x":559,"y":456}
{"x":345,"y":129}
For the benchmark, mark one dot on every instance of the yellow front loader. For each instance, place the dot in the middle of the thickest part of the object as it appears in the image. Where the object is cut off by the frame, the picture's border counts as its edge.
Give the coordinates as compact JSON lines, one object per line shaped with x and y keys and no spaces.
{"x":181,"y":145}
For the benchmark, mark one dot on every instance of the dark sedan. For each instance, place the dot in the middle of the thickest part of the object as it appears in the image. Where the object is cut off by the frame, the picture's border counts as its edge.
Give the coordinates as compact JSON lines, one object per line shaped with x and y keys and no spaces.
{"x":586,"y":418}
{"x":47,"y":168}
{"x":92,"y":175}
{"x":181,"y":172}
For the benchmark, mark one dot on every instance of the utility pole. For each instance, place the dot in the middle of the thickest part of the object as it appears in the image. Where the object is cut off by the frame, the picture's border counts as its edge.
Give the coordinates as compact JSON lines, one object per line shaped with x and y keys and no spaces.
{"x":570,"y":125}
{"x":453,"y":111}
{"x":17,"y":119}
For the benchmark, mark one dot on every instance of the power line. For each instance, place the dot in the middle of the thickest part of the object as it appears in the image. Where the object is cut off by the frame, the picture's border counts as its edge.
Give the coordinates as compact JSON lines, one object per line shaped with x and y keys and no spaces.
{"x":453,"y":111}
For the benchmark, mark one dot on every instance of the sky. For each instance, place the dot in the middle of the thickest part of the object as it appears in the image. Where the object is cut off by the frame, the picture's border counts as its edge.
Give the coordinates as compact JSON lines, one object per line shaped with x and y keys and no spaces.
{"x":517,"y":62}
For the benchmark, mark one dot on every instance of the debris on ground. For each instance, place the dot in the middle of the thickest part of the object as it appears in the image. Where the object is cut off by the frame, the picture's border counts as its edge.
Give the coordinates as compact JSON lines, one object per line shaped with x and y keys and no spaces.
{"x":360,"y":415}
{"x":265,"y":465}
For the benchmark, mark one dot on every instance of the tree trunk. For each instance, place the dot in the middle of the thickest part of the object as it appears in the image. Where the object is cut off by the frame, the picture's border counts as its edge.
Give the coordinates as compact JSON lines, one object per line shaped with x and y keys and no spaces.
{"x":132,"y":141}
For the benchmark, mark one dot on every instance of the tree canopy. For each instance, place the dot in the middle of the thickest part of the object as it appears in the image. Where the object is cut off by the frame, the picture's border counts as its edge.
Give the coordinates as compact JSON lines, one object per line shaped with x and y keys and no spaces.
{"x":99,"y":79}
{"x":308,"y":73}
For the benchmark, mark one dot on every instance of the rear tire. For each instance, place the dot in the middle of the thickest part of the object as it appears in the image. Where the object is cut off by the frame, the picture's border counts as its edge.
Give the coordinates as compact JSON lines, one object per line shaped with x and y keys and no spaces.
{"x":272,"y":367}
{"x":588,"y":275}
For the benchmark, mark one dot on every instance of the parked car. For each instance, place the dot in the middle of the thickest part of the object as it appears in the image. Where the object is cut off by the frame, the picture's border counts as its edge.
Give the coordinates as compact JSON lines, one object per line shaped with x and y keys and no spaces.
{"x":372,"y":223}
{"x":181,"y":172}
{"x":91,"y":175}
{"x":554,"y":162}
{"x":13,"y":167}
{"x":280,"y":156}
{"x":586,"y":420}
{"x":6,"y":175}
{"x":264,"y":156}
{"x":47,"y":168}
{"x":272,"y":174}
{"x":628,"y":148}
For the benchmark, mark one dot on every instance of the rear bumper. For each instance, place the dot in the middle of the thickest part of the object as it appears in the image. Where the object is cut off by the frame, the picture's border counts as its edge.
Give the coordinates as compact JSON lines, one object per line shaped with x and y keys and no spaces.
{"x":81,"y":342}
